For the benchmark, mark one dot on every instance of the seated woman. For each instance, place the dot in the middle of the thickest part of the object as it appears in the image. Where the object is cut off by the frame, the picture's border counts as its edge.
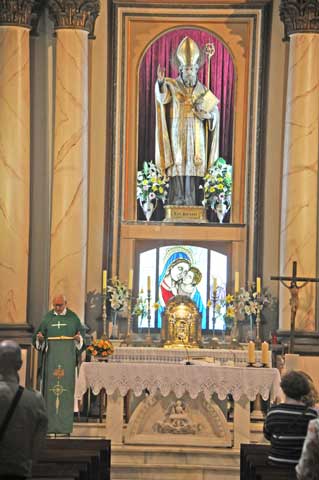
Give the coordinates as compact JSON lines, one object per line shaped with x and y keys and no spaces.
{"x":308,"y":466}
{"x":286,"y":424}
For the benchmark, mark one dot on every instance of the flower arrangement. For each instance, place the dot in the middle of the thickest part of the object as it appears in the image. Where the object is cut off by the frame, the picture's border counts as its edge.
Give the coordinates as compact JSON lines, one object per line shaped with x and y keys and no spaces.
{"x":151,"y":184}
{"x":118,"y":294}
{"x":100,"y":348}
{"x":250,"y":302}
{"x":225,"y":307}
{"x":218,"y":184}
{"x":140,"y":308}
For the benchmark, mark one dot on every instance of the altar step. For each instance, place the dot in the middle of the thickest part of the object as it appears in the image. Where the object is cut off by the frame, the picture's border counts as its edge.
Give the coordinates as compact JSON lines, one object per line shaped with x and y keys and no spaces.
{"x":171,"y":463}
{"x":152,"y":462}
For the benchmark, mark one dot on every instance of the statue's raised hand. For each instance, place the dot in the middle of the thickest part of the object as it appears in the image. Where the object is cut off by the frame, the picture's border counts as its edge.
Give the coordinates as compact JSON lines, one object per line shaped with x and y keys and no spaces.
{"x":160,"y":75}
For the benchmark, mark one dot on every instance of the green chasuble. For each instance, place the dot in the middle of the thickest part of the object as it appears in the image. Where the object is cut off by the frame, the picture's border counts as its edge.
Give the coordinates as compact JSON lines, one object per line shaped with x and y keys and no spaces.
{"x":58,"y":368}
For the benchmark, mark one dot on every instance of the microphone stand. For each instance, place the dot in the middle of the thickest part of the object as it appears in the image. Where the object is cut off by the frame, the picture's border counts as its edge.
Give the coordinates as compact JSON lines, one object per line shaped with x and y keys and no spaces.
{"x":188,"y":361}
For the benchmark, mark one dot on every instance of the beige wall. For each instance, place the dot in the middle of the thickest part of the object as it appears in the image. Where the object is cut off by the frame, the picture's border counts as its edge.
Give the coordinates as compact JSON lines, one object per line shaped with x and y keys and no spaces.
{"x":42,"y":67}
{"x":274,"y":150}
{"x":99,"y":146}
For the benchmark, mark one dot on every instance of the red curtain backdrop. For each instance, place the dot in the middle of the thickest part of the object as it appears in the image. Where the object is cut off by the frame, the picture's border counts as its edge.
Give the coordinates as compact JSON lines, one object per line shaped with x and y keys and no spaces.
{"x":221,"y":84}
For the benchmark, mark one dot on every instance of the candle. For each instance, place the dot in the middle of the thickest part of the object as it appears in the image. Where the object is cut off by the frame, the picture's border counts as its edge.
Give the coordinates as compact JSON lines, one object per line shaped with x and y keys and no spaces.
{"x":214,"y":284}
{"x":130,"y":279}
{"x":104,"y":279}
{"x":258,"y":285}
{"x":236,"y":282}
{"x":148,"y":283}
{"x":265,"y":353}
{"x":251,"y":352}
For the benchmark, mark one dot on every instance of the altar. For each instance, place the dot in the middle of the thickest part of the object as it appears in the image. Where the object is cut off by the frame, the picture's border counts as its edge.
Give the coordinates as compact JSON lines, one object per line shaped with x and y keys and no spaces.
{"x":176,"y":401}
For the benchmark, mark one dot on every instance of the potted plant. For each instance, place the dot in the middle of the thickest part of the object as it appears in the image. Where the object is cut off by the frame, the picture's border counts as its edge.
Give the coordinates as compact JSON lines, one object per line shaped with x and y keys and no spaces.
{"x":151,"y":186}
{"x":100,"y":349}
{"x":218,"y":188}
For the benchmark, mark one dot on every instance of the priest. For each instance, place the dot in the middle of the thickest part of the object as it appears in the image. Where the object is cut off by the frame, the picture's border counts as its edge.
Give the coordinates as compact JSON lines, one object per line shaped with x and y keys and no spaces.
{"x":59,"y":338}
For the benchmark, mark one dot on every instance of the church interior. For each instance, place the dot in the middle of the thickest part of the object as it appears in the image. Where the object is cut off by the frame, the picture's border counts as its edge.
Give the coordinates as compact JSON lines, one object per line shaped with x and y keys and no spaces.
{"x":156,"y":173}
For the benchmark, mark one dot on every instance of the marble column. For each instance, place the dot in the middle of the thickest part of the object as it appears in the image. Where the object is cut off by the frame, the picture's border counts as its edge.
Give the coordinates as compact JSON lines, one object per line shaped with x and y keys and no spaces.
{"x":299,"y":210}
{"x":74,"y":24}
{"x":16,"y":18}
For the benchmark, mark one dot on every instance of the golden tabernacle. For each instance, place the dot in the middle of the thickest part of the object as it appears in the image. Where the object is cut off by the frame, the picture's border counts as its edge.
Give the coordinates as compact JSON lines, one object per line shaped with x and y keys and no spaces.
{"x":181,"y":327}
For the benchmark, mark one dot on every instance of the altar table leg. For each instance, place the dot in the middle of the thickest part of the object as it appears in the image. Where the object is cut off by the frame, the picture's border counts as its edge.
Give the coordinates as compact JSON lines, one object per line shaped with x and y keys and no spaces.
{"x":114,"y":418}
{"x":241,"y":421}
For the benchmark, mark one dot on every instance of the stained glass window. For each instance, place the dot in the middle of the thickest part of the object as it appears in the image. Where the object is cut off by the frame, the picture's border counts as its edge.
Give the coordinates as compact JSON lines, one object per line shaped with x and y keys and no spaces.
{"x":182,"y":270}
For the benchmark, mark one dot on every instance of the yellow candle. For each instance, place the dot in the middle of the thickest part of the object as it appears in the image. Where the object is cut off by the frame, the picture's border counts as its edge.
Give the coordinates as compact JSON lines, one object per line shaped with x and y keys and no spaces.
{"x":251,"y":352}
{"x":214,"y":284}
{"x":148,"y":283}
{"x":265,"y":353}
{"x":236,"y":282}
{"x":104,"y":278}
{"x":130,"y":279}
{"x":258,"y":285}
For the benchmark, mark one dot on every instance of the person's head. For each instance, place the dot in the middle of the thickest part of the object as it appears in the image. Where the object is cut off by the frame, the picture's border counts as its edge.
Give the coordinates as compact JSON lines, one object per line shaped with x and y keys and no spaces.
{"x":178,"y":269}
{"x":192,"y":277}
{"x":59,"y":303}
{"x":295,"y":385}
{"x":10,"y":357}
{"x":312,"y":398}
{"x":188,"y":57}
{"x":188,"y":74}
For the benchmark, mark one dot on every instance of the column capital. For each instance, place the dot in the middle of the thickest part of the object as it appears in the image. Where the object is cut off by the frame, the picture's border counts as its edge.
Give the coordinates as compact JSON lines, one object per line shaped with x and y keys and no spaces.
{"x":20,"y":13}
{"x":74,"y":14}
{"x":299,"y":16}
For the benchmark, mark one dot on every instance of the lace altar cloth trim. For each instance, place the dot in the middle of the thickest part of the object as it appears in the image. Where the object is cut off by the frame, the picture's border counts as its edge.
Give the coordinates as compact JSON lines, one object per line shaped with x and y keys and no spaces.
{"x":178,"y":379}
{"x":164,"y":355}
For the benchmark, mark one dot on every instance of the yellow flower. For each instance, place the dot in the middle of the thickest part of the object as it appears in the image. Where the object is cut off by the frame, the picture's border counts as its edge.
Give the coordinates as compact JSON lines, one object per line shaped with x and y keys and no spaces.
{"x":212,"y":189}
{"x":145,"y":182}
{"x":153,"y":179}
{"x":209,"y":303}
{"x":161,"y":189}
{"x":156,"y":305}
{"x":220,"y":186}
{"x":230,"y":312}
{"x":229,"y":298}
{"x":154,"y":188}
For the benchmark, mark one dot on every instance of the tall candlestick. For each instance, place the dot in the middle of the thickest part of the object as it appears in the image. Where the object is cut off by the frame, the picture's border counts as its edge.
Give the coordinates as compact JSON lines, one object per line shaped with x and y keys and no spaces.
{"x":104,"y":280}
{"x":130,"y":279}
{"x":236,"y":282}
{"x":148,"y":298}
{"x":258,"y":285}
{"x":265,"y":353}
{"x":251,"y":352}
{"x":214,"y":284}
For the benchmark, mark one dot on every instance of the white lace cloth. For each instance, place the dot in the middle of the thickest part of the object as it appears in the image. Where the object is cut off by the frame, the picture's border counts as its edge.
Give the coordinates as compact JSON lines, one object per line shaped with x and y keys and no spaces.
{"x":178,"y":379}
{"x":164,"y":355}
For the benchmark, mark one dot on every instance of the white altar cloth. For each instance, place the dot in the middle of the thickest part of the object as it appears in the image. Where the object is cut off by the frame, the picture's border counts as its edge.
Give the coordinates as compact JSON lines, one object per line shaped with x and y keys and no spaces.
{"x":178,"y":379}
{"x":174,"y":355}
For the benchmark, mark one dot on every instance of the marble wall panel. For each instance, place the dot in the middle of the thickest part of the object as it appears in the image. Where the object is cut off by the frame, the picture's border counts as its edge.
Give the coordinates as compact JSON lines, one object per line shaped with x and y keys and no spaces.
{"x":70,"y":170}
{"x":14,"y":172}
{"x":300,"y":177}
